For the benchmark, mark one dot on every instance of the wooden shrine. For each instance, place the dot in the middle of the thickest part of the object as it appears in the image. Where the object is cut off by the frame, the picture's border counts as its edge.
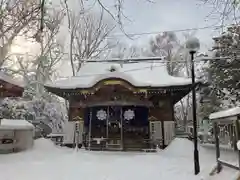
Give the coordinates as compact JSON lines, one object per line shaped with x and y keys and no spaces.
{"x":10,"y":87}
{"x":121,"y":110}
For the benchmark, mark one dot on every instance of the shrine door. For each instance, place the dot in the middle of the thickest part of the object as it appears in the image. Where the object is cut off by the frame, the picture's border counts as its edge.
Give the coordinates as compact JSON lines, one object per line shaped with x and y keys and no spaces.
{"x":115,"y":127}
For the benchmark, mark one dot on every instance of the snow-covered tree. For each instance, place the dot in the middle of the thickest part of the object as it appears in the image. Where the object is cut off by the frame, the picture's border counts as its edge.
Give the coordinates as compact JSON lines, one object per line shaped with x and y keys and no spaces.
{"x":38,"y":111}
{"x":38,"y":68}
{"x":167,"y":45}
{"x":37,"y":105}
{"x":225,"y":82}
{"x":225,"y":10}
{"x":123,"y":51}
{"x":17,"y":17}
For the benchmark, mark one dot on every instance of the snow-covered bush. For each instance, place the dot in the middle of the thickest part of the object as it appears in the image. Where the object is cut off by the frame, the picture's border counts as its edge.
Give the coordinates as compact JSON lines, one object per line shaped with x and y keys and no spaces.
{"x":38,"y":111}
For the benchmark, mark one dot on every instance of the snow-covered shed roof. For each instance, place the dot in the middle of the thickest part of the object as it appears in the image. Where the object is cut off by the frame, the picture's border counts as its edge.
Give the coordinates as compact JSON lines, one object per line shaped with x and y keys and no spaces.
{"x":140,"y":74}
{"x":225,"y":113}
{"x":11,"y":80}
{"x":12,"y":124}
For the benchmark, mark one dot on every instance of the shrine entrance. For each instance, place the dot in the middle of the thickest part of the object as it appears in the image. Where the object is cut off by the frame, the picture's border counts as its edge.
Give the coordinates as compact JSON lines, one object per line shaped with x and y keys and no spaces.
{"x":116,"y":127}
{"x":114,"y":130}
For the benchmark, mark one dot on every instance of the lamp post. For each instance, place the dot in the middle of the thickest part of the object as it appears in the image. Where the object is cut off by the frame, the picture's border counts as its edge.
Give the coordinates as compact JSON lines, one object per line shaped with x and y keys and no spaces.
{"x":193,"y":45}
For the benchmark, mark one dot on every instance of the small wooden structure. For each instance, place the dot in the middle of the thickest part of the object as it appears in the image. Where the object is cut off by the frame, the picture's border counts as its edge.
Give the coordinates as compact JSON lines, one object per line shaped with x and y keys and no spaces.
{"x":15,"y":135}
{"x":57,"y":138}
{"x":230,"y":119}
{"x":10,"y":87}
{"x":122,"y":106}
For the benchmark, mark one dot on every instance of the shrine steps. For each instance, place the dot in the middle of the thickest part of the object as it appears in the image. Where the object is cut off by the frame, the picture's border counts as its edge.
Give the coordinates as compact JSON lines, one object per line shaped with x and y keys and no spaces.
{"x":123,"y":150}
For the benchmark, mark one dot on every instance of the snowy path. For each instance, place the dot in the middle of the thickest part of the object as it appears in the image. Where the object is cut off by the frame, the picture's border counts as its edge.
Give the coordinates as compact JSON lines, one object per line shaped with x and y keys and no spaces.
{"x":47,"y":162}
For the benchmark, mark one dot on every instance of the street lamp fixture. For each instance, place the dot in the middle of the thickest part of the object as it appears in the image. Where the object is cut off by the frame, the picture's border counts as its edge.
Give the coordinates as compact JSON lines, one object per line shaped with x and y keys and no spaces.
{"x":193,"y":46}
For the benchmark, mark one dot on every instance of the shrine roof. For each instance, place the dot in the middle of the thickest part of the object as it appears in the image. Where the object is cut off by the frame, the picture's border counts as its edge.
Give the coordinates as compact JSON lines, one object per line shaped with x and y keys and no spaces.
{"x":139,"y":74}
{"x":10,"y":80}
{"x":225,"y":113}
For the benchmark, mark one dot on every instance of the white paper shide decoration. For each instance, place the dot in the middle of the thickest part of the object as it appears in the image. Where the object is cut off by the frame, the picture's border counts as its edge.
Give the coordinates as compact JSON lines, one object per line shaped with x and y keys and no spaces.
{"x":129,"y":114}
{"x":101,"y":115}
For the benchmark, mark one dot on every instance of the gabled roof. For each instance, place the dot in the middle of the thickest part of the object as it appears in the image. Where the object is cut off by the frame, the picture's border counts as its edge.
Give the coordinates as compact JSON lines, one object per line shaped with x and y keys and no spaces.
{"x":225,"y":113}
{"x":140,"y":74}
{"x":10,"y":80}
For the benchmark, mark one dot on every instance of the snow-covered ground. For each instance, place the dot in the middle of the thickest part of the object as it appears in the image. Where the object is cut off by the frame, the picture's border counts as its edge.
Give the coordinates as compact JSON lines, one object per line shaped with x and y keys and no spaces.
{"x":48,"y":162}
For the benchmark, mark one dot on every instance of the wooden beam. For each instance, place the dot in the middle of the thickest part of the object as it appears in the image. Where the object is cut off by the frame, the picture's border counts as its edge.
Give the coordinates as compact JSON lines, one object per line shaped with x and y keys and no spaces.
{"x":163,"y":134}
{"x":228,"y":165}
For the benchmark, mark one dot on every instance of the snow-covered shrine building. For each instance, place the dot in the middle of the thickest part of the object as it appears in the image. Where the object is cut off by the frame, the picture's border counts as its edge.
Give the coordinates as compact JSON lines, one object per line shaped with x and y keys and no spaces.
{"x":125,"y":106}
{"x":10,"y":87}
{"x":15,"y":135}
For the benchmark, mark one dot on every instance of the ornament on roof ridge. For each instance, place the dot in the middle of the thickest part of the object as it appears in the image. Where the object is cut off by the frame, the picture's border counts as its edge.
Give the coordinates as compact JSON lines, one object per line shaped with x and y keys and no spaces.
{"x":113,"y":68}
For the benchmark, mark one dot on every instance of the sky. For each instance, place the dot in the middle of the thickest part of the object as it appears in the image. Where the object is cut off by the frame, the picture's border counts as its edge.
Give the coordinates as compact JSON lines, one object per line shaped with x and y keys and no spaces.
{"x":163,"y":15}
{"x":146,"y":17}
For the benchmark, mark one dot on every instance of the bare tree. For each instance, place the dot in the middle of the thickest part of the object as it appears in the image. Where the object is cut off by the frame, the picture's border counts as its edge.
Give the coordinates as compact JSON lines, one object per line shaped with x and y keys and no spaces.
{"x":167,"y":45}
{"x":123,"y":51}
{"x":115,"y":13}
{"x":17,"y":17}
{"x":88,"y":38}
{"x":37,"y":69}
{"x":225,"y":10}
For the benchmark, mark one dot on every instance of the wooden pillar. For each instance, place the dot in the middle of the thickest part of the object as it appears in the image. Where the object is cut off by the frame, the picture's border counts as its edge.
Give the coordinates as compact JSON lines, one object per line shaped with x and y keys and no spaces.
{"x":122,"y":132}
{"x":172,"y":106}
{"x":69,"y":110}
{"x":216,"y":134}
{"x":163,"y":135}
{"x":90,"y":130}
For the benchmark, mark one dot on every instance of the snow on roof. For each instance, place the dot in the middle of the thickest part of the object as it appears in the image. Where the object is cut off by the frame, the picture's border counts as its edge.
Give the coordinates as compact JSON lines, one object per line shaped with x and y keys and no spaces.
{"x":226,"y":113}
{"x":11,"y":80}
{"x":138,"y":74}
{"x":15,"y":124}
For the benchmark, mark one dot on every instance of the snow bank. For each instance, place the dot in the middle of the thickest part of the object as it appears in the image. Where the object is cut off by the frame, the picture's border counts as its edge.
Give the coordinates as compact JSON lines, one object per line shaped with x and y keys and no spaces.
{"x":180,"y":147}
{"x":44,"y":144}
{"x":47,"y":145}
{"x":45,"y":163}
{"x":226,"y":174}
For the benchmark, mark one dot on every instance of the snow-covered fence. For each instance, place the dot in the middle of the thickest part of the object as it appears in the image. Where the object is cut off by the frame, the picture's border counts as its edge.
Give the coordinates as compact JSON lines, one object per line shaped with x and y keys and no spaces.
{"x":222,"y":120}
{"x":226,"y":134}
